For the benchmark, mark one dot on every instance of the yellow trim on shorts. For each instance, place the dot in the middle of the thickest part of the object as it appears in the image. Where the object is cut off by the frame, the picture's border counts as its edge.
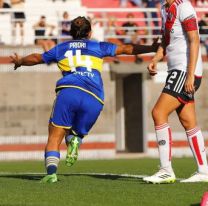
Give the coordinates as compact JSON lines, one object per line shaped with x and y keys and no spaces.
{"x":74,"y":133}
{"x":59,"y":126}
{"x":77,"y":87}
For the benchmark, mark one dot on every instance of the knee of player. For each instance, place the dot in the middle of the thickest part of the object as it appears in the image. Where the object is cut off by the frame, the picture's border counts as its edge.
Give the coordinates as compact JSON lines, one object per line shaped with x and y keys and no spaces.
{"x":159,"y":115}
{"x":156,"y":113}
{"x":187,"y":123}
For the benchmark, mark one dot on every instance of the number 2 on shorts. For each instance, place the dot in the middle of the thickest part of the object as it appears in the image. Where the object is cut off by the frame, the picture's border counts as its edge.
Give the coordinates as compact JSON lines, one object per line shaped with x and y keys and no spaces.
{"x":172,"y":77}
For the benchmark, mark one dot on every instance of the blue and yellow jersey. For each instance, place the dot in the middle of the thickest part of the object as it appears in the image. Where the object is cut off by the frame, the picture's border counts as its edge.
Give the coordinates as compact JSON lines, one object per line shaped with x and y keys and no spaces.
{"x":80,"y":62}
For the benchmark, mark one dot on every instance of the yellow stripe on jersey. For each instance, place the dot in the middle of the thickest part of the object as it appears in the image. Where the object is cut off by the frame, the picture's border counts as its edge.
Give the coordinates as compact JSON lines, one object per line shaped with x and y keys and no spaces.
{"x":96,"y":63}
{"x":85,"y":90}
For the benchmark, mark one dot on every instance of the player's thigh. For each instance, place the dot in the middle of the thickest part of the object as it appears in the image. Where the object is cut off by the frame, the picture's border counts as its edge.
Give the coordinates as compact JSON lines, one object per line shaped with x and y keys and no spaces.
{"x":87,"y":115}
{"x":187,"y":115}
{"x":165,"y":105}
{"x":55,"y":137}
{"x":172,"y":96}
{"x":64,"y":109}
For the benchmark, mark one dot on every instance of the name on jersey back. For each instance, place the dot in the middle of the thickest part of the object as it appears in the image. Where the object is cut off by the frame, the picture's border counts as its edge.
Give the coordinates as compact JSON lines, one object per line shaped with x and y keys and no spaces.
{"x":77,"y":45}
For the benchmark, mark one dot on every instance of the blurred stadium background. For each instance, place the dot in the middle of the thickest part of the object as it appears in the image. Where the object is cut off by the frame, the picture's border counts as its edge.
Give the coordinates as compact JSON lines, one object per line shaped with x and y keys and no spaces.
{"x":125,"y":127}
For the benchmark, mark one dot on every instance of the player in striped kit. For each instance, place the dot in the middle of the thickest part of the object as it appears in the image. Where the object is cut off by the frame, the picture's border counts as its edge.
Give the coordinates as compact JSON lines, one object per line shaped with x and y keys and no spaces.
{"x":181,"y":44}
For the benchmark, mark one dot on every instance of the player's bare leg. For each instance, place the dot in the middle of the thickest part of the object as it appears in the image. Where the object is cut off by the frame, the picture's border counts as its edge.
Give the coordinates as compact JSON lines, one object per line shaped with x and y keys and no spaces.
{"x":165,"y":105}
{"x":187,"y":117}
{"x":55,"y":137}
{"x":52,"y":153}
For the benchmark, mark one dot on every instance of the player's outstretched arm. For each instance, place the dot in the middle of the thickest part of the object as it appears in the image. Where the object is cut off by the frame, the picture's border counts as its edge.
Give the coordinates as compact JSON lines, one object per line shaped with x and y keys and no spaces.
{"x":137,"y":48}
{"x":29,"y":60}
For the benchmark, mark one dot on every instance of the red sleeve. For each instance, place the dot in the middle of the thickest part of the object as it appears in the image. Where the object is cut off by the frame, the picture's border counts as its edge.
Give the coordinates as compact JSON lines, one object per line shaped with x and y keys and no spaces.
{"x":190,"y":24}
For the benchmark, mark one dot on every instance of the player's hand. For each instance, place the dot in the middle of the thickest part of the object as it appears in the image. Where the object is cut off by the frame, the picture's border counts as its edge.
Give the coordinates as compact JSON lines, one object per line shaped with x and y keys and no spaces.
{"x":155,"y":44}
{"x":152,"y":68}
{"x":189,"y":84}
{"x":16,"y":60}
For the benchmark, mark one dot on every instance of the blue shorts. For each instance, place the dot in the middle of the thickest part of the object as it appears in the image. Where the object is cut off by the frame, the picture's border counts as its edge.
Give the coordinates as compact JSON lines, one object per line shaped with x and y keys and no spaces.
{"x":75,"y":109}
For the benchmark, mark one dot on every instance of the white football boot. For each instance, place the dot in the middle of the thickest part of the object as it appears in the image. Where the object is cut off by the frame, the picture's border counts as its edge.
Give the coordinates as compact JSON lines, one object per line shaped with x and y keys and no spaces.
{"x":196,"y":177}
{"x":161,"y":177}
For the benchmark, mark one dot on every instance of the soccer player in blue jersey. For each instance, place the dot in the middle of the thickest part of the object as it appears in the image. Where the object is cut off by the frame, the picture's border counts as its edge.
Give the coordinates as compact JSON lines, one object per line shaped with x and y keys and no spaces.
{"x":80,"y":95}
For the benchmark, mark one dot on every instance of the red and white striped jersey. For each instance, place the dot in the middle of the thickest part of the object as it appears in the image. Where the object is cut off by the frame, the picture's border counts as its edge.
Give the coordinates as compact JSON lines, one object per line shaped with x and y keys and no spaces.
{"x":179,"y":18}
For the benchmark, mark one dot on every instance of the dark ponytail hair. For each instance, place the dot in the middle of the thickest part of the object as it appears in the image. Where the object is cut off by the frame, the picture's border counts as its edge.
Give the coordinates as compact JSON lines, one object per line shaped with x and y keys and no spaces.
{"x":80,"y":28}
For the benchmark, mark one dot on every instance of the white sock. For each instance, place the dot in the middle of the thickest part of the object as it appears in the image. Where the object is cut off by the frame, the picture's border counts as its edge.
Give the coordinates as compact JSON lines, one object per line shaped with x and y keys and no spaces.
{"x":196,"y":142}
{"x":164,"y":140}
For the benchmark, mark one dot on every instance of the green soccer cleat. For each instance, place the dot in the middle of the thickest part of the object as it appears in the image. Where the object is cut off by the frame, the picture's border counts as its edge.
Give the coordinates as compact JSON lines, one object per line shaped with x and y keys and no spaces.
{"x":72,"y":151}
{"x":49,"y":179}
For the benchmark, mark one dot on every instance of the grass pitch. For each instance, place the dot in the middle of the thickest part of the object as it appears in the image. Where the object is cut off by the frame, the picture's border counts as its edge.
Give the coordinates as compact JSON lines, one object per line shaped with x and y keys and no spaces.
{"x":97,"y":183}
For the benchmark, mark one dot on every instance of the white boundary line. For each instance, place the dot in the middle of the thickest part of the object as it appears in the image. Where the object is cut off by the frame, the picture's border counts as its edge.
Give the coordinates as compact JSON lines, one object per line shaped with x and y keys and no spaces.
{"x":2,"y":174}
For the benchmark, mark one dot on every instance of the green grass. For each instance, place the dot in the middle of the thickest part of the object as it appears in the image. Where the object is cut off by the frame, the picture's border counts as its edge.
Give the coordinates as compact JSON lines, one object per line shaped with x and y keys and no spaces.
{"x":90,"y":189}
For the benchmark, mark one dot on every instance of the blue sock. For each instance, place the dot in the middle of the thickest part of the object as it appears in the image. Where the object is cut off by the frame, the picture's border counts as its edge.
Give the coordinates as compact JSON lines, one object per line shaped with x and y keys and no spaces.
{"x":51,"y":161}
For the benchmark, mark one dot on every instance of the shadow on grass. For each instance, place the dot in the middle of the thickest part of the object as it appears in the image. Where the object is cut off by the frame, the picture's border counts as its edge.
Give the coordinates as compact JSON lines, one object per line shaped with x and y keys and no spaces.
{"x":107,"y":176}
{"x":104,"y":176}
{"x":24,"y":177}
{"x":196,"y":204}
